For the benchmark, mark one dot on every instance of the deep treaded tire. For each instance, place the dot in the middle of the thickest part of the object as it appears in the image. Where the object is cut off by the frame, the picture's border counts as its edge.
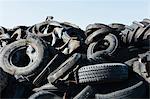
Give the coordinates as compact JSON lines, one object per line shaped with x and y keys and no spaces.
{"x":106,"y":72}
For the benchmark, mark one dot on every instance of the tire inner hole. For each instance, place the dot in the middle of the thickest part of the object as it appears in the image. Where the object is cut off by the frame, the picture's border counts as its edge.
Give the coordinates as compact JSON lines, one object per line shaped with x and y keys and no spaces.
{"x":101,"y":45}
{"x":20,"y":58}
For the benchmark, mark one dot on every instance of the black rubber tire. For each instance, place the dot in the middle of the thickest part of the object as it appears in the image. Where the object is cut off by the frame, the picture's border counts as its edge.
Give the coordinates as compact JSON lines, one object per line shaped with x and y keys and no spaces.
{"x":40,"y":27}
{"x":34,"y":65}
{"x":100,"y":73}
{"x":113,"y":44}
{"x":67,"y":24}
{"x":93,"y":27}
{"x":146,"y":20}
{"x":3,"y":30}
{"x":146,"y":34}
{"x":96,"y":26}
{"x":129,"y":32}
{"x":131,"y":61}
{"x":44,"y":95}
{"x":87,"y":92}
{"x":3,"y":80}
{"x":117,"y":26}
{"x":63,"y":68}
{"x":99,"y":34}
{"x":135,"y":91}
{"x":31,"y":29}
{"x":135,"y":33}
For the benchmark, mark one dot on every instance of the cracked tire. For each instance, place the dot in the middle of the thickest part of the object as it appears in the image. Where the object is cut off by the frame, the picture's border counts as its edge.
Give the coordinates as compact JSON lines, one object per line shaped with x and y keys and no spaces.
{"x":106,"y":72}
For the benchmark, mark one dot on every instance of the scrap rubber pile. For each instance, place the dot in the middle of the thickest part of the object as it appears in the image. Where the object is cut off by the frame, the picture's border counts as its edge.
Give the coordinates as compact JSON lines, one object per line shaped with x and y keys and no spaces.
{"x":54,"y":60}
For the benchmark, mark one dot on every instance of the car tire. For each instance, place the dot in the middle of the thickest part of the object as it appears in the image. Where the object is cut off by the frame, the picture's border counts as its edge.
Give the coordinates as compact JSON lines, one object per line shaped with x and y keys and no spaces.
{"x":100,"y":73}
{"x":7,"y":56}
{"x":98,"y":55}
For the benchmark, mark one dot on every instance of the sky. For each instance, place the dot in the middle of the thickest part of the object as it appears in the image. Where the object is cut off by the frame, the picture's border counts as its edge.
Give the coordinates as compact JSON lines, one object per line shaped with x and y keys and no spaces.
{"x":80,"y":12}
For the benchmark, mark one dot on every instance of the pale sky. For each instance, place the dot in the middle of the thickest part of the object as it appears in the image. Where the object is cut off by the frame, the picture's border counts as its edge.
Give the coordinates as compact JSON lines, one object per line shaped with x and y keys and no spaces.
{"x":79,"y":12}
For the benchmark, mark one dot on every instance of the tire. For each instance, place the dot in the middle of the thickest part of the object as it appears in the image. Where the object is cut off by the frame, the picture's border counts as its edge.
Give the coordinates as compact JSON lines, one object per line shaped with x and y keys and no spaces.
{"x":117,"y":26}
{"x":100,"y":73}
{"x":93,"y":27}
{"x":7,"y":56}
{"x":135,"y":91}
{"x":40,"y":27}
{"x":131,"y":61}
{"x":98,"y":55}
{"x":63,"y":68}
{"x":146,"y":34}
{"x":31,"y":29}
{"x":47,"y":86}
{"x":51,"y":66}
{"x":135,"y":33}
{"x":146,"y":20}
{"x":96,"y":26}
{"x":3,"y":30}
{"x":44,"y":95}
{"x":129,"y":32}
{"x":67,"y":24}
{"x":93,"y":58}
{"x":97,"y":35}
{"x":87,"y":92}
{"x":3,"y":80}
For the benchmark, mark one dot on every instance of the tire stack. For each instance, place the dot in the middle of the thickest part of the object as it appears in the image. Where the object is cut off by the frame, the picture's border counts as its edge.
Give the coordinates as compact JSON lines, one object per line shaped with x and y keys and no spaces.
{"x":58,"y":60}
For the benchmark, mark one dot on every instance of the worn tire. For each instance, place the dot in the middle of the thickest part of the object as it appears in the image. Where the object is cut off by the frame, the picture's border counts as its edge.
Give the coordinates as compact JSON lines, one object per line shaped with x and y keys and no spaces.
{"x":117,"y":26}
{"x":3,"y":80}
{"x":7,"y":54}
{"x":98,"y":55}
{"x":44,"y":95}
{"x":97,"y":35}
{"x":63,"y":68}
{"x":87,"y":92}
{"x":106,"y":72}
{"x":135,"y":33}
{"x":93,"y":27}
{"x":135,"y":91}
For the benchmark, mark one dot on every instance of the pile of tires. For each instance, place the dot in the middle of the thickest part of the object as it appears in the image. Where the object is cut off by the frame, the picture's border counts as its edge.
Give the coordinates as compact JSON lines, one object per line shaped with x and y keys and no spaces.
{"x":59,"y":60}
